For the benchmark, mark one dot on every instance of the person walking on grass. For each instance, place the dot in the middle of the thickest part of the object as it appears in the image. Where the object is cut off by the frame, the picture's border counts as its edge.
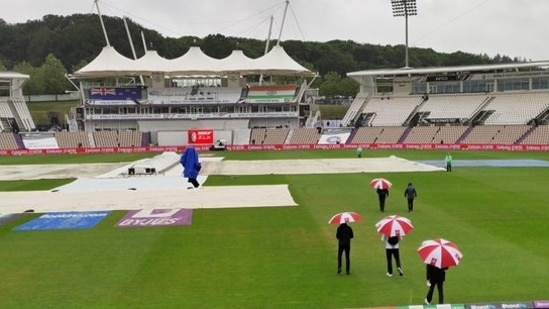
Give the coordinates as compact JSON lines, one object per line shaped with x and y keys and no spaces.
{"x":435,"y":277}
{"x":410,"y":194}
{"x":191,"y":166}
{"x":382,"y":195}
{"x":448,"y":159}
{"x":392,"y":251}
{"x":344,"y":235}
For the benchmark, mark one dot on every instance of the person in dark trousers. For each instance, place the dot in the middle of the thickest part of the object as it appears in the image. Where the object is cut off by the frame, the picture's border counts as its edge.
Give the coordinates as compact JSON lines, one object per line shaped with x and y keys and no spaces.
{"x":435,"y":277}
{"x":344,"y":235}
{"x":191,"y":166}
{"x":382,"y":195}
{"x":392,"y":251}
{"x":410,"y":193}
{"x":448,"y":159}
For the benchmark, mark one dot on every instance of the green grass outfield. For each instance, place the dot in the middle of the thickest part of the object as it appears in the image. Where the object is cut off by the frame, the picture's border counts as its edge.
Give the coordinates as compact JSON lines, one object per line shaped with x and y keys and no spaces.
{"x":285,"y":257}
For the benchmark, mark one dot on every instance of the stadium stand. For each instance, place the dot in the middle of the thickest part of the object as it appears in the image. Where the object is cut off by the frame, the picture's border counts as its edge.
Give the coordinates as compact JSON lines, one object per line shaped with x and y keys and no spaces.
{"x":538,"y":136}
{"x":305,"y":136}
{"x":105,"y":138}
{"x":194,"y":95}
{"x":516,"y":108}
{"x":435,"y":134}
{"x":367,"y":135}
{"x":130,"y":138}
{"x":495,"y":134}
{"x":257,"y":136}
{"x":453,"y":106}
{"x":276,"y":136}
{"x":354,"y":109}
{"x":390,"y":111}
{"x":390,"y":135}
{"x":7,"y":141}
{"x":72,"y":139}
{"x":5,"y":111}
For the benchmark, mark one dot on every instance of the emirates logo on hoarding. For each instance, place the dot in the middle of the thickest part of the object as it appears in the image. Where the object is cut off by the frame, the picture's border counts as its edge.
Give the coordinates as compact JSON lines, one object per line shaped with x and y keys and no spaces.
{"x":202,"y":137}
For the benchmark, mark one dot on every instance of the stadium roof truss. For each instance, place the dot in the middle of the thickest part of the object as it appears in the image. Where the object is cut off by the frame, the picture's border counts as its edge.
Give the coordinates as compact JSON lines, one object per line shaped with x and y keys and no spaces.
{"x":447,"y":70}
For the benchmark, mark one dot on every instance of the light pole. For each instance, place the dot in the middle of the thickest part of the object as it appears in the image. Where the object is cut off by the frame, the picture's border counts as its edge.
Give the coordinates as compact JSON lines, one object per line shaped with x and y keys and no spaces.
{"x":404,"y":8}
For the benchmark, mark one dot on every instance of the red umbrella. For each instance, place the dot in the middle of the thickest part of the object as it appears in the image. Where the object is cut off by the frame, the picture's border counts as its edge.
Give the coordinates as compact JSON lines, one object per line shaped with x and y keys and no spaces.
{"x":381,"y":183}
{"x":394,"y":226}
{"x":440,"y":253}
{"x":345,"y":217}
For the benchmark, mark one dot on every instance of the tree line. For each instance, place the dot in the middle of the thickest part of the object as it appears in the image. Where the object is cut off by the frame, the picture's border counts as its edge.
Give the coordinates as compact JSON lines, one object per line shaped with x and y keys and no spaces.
{"x":48,"y":48}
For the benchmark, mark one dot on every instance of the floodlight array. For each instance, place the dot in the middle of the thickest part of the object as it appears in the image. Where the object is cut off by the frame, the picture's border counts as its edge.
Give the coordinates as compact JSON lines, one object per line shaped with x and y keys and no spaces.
{"x":404,"y":7}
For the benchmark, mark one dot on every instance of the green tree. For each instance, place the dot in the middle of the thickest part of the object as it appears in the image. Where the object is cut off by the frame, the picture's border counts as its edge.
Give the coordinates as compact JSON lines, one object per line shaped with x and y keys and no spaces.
{"x":2,"y":66}
{"x":36,"y":83}
{"x":53,"y":73}
{"x":334,"y":85}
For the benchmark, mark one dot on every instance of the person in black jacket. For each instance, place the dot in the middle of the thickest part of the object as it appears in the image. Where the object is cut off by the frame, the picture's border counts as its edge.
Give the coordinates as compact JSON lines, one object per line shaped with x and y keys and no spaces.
{"x":435,"y":277}
{"x":382,"y":195}
{"x":344,"y":235}
{"x":410,"y":193}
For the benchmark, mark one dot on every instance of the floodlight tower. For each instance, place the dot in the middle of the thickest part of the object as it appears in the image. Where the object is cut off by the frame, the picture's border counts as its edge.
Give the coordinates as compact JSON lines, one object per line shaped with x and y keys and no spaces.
{"x":404,"y":8}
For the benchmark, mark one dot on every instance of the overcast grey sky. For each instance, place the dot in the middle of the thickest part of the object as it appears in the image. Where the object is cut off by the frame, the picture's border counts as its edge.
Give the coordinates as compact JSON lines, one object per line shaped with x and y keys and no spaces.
{"x":516,"y":28}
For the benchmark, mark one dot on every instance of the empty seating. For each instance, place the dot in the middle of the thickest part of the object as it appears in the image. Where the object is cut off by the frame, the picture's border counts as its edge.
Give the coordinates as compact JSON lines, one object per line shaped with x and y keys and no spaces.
{"x":130,"y":138}
{"x":453,"y":106}
{"x":366,"y":135}
{"x":23,"y":112}
{"x":516,"y":108}
{"x":276,"y":136}
{"x":106,"y":138}
{"x":538,"y":136}
{"x":391,"y":111}
{"x":435,"y":134}
{"x":257,"y":136}
{"x":72,"y":139}
{"x":390,"y":135}
{"x":305,"y":136}
{"x":5,"y":111}
{"x":378,"y":135}
{"x":7,"y":141}
{"x":495,"y":134}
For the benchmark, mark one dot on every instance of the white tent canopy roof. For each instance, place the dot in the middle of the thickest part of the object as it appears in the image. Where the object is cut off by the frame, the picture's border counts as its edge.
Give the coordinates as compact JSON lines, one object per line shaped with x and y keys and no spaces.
{"x":151,"y":62}
{"x":277,"y":62}
{"x":194,"y":62}
{"x":108,"y":63}
{"x":237,"y":61}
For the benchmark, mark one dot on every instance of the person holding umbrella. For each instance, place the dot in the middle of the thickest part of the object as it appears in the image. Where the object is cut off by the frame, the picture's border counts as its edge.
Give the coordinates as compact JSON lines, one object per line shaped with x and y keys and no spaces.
{"x":382,"y":187}
{"x":439,"y":255}
{"x":392,"y":251}
{"x":382,"y":195}
{"x":393,"y":229}
{"x":435,"y":277}
{"x":344,"y":235}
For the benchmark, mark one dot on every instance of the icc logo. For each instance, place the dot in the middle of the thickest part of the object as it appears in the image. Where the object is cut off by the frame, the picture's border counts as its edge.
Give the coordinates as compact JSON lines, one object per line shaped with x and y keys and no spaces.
{"x":193,"y":137}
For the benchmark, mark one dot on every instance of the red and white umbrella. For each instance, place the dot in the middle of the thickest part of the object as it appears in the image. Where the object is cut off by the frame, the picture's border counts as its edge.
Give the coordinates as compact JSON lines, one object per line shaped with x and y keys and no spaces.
{"x":440,"y":253}
{"x":345,"y":217}
{"x":394,"y":226}
{"x":381,"y":183}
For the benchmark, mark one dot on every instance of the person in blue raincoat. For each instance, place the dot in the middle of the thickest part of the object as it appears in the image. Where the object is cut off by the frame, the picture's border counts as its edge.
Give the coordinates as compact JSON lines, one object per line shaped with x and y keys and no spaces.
{"x":191,"y":165}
